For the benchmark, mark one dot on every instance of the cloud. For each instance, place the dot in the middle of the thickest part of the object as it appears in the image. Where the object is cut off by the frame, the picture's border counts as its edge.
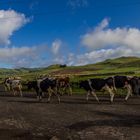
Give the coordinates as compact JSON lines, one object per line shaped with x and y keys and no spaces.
{"x":10,"y":21}
{"x":78,"y":3}
{"x":103,"y":37}
{"x":32,"y":56}
{"x":99,"y":44}
{"x":100,"y":55}
{"x":56,"y":46}
{"x":15,"y":56}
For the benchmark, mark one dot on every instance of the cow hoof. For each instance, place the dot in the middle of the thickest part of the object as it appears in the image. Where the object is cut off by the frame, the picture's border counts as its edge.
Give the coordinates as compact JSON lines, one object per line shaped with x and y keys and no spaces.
{"x":125,"y":101}
{"x":111,"y":102}
{"x":98,"y":102}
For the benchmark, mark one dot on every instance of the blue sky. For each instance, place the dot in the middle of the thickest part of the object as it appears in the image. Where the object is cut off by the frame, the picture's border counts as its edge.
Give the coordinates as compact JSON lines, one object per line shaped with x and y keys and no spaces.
{"x":38,"y":33}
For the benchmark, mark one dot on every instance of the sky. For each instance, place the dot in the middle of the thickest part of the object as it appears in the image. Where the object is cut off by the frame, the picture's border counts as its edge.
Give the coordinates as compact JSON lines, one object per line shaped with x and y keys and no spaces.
{"x":39,"y":33}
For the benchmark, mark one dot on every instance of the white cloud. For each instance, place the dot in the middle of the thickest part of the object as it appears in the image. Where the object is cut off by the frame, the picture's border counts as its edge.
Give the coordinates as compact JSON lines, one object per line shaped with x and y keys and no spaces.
{"x":10,"y":21}
{"x":102,"y":37}
{"x":32,"y":56}
{"x":12,"y":52}
{"x":15,"y":56}
{"x":56,"y":45}
{"x":100,"y":55}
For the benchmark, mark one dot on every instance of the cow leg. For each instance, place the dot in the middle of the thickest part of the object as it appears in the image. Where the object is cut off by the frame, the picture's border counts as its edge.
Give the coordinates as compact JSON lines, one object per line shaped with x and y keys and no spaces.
{"x":5,"y":88}
{"x":112,"y":94}
{"x":129,"y":93}
{"x":56,"y":94}
{"x":37,"y":92}
{"x":14,"y":93}
{"x":20,"y":91}
{"x":112,"y":97}
{"x":88,"y":93}
{"x":43,"y":94}
{"x":49,"y":98}
{"x":59,"y":90}
{"x":40,"y":95}
{"x":127,"y":96}
{"x":70,"y":89}
{"x":50,"y":94}
{"x":94,"y":95}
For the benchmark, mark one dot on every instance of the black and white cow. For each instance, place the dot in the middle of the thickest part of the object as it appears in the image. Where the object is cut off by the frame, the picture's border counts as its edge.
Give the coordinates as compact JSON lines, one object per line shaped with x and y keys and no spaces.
{"x":44,"y":85}
{"x":135,"y":83}
{"x":7,"y":83}
{"x":109,"y":84}
{"x":92,"y":85}
{"x":13,"y":84}
{"x":123,"y":82}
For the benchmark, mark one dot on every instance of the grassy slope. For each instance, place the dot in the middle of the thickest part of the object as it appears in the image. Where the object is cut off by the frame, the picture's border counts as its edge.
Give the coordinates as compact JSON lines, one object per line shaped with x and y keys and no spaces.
{"x":122,"y":65}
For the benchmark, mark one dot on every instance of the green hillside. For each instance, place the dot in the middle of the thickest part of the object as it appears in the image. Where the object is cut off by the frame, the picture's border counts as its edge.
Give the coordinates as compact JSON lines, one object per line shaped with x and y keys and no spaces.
{"x":122,"y":65}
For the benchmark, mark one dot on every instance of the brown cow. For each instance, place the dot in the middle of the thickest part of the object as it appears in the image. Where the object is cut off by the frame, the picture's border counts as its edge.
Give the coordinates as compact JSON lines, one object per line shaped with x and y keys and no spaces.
{"x":64,"y":84}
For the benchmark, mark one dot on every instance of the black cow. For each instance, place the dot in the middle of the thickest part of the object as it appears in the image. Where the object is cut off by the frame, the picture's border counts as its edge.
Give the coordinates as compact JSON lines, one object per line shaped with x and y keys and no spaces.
{"x":44,"y":85}
{"x":123,"y":82}
{"x":92,"y":85}
{"x":135,"y":83}
{"x":120,"y":81}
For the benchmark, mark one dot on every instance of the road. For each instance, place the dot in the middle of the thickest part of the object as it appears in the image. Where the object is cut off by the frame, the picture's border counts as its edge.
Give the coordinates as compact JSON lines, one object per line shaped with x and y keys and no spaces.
{"x":24,"y":118}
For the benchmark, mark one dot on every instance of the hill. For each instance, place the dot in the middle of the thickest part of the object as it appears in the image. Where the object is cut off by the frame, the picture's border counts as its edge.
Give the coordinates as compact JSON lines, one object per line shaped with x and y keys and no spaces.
{"x":122,"y":65}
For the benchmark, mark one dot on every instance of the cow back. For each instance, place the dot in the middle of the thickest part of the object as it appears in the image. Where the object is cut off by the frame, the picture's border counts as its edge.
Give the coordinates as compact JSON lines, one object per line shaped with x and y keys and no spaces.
{"x":120,"y":81}
{"x":98,"y":83}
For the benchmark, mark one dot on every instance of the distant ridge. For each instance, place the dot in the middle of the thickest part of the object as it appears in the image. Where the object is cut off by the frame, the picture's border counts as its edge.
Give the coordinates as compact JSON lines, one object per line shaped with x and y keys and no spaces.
{"x":110,"y":65}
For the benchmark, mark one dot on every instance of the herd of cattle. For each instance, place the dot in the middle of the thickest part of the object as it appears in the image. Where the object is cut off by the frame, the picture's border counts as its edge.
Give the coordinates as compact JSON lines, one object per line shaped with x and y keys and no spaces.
{"x":52,"y":86}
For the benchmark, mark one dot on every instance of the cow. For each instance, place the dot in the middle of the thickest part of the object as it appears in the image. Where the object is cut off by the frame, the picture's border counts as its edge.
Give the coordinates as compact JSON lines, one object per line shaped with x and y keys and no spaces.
{"x":64,"y":83}
{"x":7,"y":82}
{"x":109,"y":84}
{"x":91,"y":85}
{"x":44,"y":85}
{"x":16,"y":87}
{"x":13,"y":84}
{"x":135,"y":83}
{"x":123,"y":82}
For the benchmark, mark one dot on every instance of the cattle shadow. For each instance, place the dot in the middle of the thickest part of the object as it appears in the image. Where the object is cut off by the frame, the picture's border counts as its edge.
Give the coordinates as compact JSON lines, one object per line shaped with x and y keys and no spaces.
{"x":79,"y":102}
{"x":28,"y":102}
{"x":34,"y":101}
{"x":118,"y":120}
